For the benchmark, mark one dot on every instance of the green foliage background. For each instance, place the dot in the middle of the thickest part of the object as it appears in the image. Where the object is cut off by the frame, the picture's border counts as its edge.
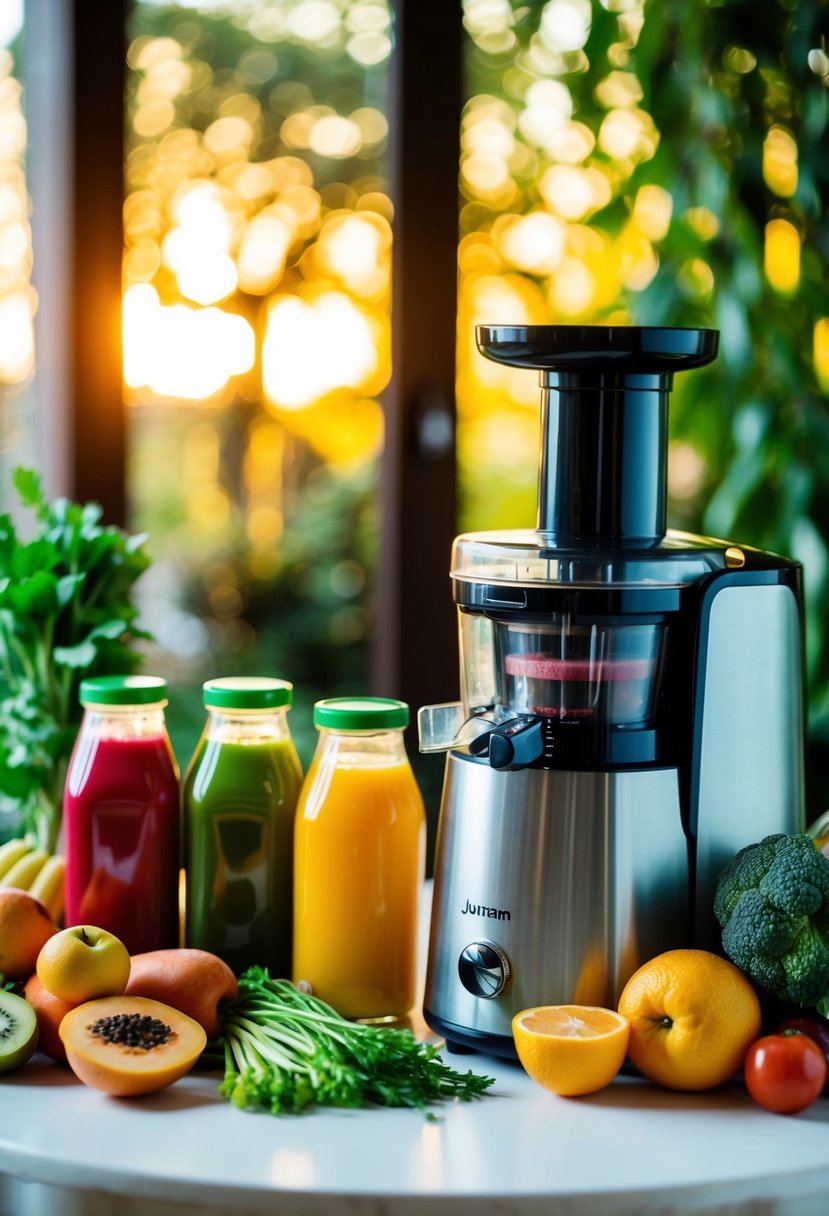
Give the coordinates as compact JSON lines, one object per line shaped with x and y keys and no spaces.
{"x":715,"y":77}
{"x":759,"y":411}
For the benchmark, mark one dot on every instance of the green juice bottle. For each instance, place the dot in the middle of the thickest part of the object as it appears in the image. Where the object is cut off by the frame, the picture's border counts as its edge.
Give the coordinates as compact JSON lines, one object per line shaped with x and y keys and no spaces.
{"x":238,"y":803}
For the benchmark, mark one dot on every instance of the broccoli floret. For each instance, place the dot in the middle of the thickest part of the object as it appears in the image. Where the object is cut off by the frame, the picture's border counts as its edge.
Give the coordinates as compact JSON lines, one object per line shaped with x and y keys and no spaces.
{"x":772,"y":900}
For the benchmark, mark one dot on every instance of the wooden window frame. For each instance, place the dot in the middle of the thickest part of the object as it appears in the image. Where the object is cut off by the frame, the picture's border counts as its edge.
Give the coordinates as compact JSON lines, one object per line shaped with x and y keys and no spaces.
{"x":83,"y":430}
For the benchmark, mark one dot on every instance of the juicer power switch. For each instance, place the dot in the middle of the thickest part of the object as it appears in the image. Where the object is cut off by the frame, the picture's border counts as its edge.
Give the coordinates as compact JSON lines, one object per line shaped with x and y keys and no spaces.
{"x":515,"y":743}
{"x":484,"y":969}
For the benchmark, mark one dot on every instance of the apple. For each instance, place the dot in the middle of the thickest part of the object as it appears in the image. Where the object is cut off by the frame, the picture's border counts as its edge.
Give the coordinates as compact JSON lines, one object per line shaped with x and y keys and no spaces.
{"x":82,"y":963}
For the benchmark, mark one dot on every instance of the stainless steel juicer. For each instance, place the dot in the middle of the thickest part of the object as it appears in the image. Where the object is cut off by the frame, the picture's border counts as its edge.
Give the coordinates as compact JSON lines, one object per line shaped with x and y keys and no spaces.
{"x":632,"y":703}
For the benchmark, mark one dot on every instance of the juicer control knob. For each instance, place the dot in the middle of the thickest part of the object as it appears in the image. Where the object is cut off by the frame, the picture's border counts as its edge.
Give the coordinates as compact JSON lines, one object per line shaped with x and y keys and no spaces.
{"x":484,"y":969}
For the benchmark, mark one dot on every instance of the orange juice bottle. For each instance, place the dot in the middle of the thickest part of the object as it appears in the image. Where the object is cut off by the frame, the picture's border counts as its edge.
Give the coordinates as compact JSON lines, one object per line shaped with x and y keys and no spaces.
{"x":359,"y":851}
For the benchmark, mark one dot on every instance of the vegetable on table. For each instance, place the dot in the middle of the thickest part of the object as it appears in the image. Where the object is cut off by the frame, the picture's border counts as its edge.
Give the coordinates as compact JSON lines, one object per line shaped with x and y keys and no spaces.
{"x":772,"y":900}
{"x":785,"y":1073}
{"x":65,"y":613}
{"x":284,"y":1050}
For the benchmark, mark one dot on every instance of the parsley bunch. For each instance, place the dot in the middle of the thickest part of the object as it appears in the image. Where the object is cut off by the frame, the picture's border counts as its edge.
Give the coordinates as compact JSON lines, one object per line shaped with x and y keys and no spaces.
{"x":285,"y":1050}
{"x":65,"y":613}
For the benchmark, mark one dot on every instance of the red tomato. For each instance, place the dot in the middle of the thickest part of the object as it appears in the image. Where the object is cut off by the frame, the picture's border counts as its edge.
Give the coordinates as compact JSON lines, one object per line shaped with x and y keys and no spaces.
{"x":815,"y":1028}
{"x":785,"y":1073}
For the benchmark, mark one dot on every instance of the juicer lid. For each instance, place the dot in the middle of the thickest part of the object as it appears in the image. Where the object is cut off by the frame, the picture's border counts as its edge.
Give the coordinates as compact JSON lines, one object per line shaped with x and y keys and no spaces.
{"x":530,"y":558}
{"x":652,"y":349}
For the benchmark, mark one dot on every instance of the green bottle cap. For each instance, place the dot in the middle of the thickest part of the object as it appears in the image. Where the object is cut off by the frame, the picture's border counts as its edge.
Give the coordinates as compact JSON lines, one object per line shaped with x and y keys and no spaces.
{"x":123,"y":690}
{"x":247,"y":692}
{"x":361,"y":713}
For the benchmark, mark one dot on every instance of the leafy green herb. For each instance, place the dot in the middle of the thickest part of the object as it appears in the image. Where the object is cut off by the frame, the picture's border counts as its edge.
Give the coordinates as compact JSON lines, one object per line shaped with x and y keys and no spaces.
{"x":284,"y":1051}
{"x":65,"y":613}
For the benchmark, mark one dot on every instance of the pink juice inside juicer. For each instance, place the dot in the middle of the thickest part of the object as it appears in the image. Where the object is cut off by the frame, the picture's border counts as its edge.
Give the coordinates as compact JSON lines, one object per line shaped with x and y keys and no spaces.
{"x":596,"y":670}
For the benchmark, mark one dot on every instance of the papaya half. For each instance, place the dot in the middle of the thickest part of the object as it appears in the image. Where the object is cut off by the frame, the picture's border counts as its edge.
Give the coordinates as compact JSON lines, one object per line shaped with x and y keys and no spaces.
{"x":129,"y":1045}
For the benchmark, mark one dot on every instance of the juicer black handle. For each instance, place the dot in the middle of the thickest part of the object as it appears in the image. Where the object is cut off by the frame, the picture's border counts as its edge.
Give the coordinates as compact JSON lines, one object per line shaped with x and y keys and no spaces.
{"x":514,"y":744}
{"x":603,"y":479}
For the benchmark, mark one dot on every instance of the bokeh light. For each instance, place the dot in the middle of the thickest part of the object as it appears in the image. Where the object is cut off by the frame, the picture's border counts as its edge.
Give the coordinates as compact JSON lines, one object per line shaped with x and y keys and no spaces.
{"x":177,"y":351}
{"x":17,"y":298}
{"x":565,"y":24}
{"x":820,"y":351}
{"x":310,"y":349}
{"x":781,"y":257}
{"x":210,"y":221}
{"x":780,"y":161}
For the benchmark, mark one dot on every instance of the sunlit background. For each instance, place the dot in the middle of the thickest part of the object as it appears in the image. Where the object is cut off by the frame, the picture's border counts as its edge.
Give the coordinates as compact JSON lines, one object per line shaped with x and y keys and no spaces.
{"x":17,"y":300}
{"x":601,"y":178}
{"x":258,"y":230}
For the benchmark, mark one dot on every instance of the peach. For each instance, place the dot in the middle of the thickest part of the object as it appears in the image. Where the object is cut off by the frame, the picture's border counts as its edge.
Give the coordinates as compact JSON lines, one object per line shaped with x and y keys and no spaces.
{"x":25,"y":927}
{"x":50,"y":1011}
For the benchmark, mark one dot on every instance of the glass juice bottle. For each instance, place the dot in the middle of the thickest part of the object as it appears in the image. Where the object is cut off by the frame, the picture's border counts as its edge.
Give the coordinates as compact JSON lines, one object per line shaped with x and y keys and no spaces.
{"x":359,"y":861}
{"x":239,"y":800}
{"x":121,"y":815}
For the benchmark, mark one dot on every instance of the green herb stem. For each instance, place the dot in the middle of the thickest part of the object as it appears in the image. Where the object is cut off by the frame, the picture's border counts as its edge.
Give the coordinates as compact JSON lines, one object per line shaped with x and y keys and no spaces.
{"x":285,"y":1050}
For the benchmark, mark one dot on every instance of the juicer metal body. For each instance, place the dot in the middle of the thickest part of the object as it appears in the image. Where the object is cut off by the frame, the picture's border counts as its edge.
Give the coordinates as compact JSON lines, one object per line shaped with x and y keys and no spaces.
{"x":545,"y":894}
{"x":632,"y":704}
{"x":553,"y":886}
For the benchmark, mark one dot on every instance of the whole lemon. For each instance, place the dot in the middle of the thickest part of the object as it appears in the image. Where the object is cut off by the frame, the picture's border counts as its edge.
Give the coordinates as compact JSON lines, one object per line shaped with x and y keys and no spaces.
{"x":693,"y":1017}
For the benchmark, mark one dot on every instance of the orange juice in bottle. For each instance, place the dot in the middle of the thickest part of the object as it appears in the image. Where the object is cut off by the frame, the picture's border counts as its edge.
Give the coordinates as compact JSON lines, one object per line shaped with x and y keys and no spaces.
{"x":359,"y":851}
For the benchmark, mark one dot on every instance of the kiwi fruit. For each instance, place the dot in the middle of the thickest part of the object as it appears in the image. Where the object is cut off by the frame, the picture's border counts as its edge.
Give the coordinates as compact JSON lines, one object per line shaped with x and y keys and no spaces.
{"x":18,"y":1031}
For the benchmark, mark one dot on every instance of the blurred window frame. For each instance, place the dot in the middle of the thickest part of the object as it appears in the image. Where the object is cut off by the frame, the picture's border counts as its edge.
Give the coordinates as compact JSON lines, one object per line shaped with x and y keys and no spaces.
{"x":74,"y":73}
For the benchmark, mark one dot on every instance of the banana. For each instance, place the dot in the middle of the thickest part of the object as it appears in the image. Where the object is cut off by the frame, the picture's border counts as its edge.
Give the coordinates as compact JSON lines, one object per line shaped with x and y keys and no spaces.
{"x":11,"y":852}
{"x":48,"y":886}
{"x":25,"y":871}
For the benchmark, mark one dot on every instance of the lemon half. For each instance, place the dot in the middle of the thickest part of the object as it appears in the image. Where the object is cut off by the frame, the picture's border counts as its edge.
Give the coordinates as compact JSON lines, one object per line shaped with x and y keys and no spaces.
{"x":571,"y":1049}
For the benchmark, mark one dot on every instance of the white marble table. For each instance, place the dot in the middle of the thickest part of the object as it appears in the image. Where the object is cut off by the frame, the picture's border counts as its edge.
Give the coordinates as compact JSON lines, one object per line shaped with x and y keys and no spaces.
{"x":630,"y":1149}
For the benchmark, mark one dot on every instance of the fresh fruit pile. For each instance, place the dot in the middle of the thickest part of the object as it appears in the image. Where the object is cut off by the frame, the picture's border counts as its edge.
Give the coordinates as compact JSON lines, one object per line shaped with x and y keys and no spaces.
{"x":691,"y":1020}
{"x":84,"y":1009}
{"x":130,"y":1026}
{"x":688,"y":1020}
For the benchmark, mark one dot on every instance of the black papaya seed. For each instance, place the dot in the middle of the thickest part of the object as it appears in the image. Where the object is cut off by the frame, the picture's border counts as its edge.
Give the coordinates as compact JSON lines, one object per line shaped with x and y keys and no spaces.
{"x":132,"y":1030}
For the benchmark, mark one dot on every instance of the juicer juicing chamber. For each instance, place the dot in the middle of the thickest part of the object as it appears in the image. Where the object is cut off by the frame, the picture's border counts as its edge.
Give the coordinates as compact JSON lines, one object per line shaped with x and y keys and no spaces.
{"x":631,"y":706}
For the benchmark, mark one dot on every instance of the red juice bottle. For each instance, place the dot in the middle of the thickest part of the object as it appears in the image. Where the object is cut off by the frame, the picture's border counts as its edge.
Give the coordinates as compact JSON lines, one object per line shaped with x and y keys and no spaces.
{"x":121,"y":815}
